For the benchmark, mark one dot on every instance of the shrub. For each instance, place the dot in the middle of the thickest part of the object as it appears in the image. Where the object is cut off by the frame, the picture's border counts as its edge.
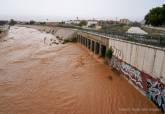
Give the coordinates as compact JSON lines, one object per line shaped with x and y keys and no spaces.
{"x":66,"y":40}
{"x":109,"y":52}
{"x":32,"y":22}
{"x":83,"y":23}
{"x":12,"y":22}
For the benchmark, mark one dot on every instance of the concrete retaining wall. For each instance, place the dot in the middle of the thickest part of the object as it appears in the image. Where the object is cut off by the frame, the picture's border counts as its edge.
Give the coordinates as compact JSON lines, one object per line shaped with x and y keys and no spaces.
{"x":143,"y":65}
{"x":3,"y":34}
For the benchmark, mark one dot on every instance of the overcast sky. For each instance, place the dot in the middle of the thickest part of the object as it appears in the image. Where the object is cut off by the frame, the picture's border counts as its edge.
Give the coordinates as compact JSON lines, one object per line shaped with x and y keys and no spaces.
{"x":56,"y":10}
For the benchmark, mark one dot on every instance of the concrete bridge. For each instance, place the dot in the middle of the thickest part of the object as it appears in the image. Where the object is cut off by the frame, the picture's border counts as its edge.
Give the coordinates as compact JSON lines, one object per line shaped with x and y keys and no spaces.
{"x":142,"y":64}
{"x":96,"y":44}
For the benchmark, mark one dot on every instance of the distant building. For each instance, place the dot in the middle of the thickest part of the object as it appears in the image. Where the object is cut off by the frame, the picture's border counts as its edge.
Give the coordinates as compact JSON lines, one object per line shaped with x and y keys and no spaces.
{"x":89,"y":22}
{"x":2,"y":23}
{"x":73,"y":22}
{"x":124,"y":21}
{"x":92,"y":23}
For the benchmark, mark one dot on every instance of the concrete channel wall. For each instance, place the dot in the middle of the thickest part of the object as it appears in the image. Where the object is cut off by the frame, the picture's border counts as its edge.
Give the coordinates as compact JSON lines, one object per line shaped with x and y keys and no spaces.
{"x":145,"y":58}
{"x":4,"y":30}
{"x":3,"y":34}
{"x":143,"y":66}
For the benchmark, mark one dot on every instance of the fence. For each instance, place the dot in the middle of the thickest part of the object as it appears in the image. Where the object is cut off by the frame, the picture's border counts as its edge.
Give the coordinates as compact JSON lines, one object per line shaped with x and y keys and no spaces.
{"x":143,"y":39}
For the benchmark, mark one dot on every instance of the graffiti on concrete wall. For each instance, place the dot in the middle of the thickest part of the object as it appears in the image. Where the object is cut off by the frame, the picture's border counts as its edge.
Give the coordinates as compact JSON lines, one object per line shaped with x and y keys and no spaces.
{"x":115,"y":63}
{"x":117,"y":52}
{"x":134,"y":74}
{"x":153,"y":88}
{"x":156,"y":92}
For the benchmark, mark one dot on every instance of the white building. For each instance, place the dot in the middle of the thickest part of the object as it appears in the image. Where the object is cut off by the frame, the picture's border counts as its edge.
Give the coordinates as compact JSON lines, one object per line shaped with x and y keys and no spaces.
{"x":73,"y":22}
{"x":124,"y":21}
{"x":92,"y":23}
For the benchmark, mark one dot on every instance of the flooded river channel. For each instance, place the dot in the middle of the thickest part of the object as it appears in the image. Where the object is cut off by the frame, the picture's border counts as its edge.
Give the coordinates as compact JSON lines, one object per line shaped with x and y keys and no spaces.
{"x":37,"y":77}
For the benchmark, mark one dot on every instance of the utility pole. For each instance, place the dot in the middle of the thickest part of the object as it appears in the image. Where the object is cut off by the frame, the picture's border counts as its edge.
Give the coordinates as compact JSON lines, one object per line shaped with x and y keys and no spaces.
{"x":116,"y":20}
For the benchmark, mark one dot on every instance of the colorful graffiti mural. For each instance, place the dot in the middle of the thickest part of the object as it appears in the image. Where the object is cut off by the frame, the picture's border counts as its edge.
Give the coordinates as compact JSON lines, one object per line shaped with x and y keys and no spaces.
{"x":115,"y":63}
{"x":152,"y":88}
{"x":117,"y":52}
{"x":134,"y":74}
{"x":156,"y":92}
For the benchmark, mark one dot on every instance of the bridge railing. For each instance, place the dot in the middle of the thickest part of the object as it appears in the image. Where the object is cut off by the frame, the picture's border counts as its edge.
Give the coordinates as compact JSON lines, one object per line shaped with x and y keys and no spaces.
{"x":143,"y":39}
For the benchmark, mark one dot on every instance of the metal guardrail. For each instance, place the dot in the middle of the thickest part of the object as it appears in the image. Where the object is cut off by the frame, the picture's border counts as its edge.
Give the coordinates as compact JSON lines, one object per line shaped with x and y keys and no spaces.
{"x":158,"y":41}
{"x":143,"y":39}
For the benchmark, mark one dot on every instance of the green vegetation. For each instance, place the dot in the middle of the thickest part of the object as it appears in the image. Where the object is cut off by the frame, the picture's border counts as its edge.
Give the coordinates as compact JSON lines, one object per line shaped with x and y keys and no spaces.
{"x":73,"y":39}
{"x":109,"y":52}
{"x":83,"y":23}
{"x":152,"y":31}
{"x":42,"y":23}
{"x":32,"y":22}
{"x":115,"y":28}
{"x":12,"y":22}
{"x":156,"y":16}
{"x":62,"y":22}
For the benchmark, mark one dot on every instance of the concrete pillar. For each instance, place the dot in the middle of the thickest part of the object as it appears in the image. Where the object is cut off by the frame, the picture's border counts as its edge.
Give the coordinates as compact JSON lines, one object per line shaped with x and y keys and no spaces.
{"x":103,"y":50}
{"x":78,"y":40}
{"x":95,"y":47}
{"x":85,"y":42}
{"x":88,"y":43}
{"x":100,"y":49}
{"x":91,"y":45}
{"x":81,"y":40}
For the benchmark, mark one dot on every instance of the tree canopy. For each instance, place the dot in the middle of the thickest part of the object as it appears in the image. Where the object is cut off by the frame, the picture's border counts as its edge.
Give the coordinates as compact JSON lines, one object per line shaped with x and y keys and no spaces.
{"x":12,"y":22}
{"x":156,"y":16}
{"x":32,"y":22}
{"x":83,"y":23}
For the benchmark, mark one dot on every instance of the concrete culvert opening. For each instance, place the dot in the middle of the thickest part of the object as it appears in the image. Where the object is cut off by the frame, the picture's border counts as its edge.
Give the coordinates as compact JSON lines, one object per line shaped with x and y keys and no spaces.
{"x":103,"y":50}
{"x":89,"y":43}
{"x":97,"y":48}
{"x":93,"y":46}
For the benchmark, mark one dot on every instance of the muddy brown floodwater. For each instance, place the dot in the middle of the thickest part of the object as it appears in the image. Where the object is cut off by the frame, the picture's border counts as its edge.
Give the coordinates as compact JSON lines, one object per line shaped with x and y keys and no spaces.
{"x":36,"y":78}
